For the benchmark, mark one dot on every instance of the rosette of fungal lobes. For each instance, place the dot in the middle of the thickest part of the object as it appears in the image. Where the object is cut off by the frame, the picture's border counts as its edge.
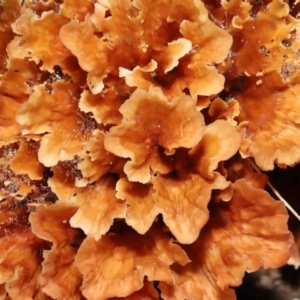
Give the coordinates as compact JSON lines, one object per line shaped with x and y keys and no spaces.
{"x":128,"y":132}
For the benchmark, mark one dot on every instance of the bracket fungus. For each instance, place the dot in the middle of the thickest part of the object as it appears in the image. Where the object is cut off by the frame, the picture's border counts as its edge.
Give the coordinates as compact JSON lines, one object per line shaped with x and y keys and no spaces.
{"x":125,"y":129}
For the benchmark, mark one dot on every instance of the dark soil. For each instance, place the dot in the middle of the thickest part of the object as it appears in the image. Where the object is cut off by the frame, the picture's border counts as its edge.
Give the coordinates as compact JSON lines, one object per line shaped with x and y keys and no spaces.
{"x":273,"y":284}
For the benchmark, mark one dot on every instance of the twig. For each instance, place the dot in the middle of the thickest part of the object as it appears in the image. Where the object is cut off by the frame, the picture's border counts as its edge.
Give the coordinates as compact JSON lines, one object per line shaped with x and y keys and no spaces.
{"x":254,"y":166}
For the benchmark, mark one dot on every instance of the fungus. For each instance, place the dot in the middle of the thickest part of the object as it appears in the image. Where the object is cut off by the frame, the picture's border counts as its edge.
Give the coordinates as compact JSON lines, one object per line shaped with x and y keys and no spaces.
{"x":119,"y":131}
{"x":38,"y":39}
{"x":184,"y":216}
{"x":53,"y":111}
{"x":10,"y":11}
{"x":51,"y":224}
{"x":26,"y":161}
{"x":228,"y":111}
{"x":96,"y":161}
{"x":12,"y":184}
{"x":269,"y":111}
{"x":147,"y":135}
{"x":19,"y":79}
{"x":129,"y":40}
{"x":98,"y":207}
{"x":74,"y":10}
{"x":21,"y":268}
{"x":228,"y":243}
{"x":9,"y":128}
{"x":122,"y":261}
{"x":104,"y":106}
{"x":220,"y":141}
{"x":21,"y":252}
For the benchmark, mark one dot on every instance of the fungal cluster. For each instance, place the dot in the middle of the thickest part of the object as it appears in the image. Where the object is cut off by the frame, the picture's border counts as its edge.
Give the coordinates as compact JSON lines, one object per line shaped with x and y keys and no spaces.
{"x":126,"y":130}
